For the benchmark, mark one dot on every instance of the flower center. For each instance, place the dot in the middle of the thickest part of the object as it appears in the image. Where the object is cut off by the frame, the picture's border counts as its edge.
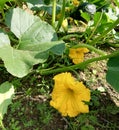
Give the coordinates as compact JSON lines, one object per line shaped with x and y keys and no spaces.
{"x":70,"y":91}
{"x":78,"y":52}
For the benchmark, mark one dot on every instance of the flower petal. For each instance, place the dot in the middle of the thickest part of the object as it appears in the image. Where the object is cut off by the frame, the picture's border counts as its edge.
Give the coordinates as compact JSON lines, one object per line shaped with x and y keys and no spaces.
{"x":77,"y":55}
{"x":68,"y":95}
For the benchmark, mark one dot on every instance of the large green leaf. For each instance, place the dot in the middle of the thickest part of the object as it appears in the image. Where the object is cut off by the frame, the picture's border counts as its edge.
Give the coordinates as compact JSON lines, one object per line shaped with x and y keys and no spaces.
{"x":36,"y":40}
{"x":6,"y":95}
{"x":41,"y":37}
{"x":39,"y":32}
{"x":18,"y":62}
{"x":56,"y":47}
{"x":19,"y":21}
{"x":113,"y":72}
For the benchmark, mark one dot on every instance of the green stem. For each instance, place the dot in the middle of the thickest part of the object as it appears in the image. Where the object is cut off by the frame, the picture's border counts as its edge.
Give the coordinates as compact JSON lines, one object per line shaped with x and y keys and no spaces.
{"x":114,"y":44}
{"x":62,"y":16}
{"x":54,"y":12}
{"x":1,"y":125}
{"x":14,"y":40}
{"x":68,"y":36}
{"x":91,"y":48}
{"x":77,"y":66}
{"x":93,"y":31}
{"x":3,"y":14}
{"x":93,"y":42}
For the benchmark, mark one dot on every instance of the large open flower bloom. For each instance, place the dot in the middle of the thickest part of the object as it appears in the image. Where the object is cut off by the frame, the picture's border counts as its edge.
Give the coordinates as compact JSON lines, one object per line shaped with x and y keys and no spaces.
{"x":69,"y":95}
{"x":77,"y":54}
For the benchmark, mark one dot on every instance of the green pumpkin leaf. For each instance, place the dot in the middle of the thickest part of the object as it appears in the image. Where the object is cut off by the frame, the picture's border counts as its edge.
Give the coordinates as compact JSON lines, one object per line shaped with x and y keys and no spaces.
{"x":18,"y":62}
{"x":6,"y":95}
{"x":37,"y":39}
{"x":39,"y":32}
{"x":56,"y":47}
{"x":19,"y":21}
{"x":112,"y":75}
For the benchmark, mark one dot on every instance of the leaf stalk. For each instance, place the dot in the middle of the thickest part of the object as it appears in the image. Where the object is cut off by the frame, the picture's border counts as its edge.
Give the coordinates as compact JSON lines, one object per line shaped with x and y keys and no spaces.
{"x":81,"y":65}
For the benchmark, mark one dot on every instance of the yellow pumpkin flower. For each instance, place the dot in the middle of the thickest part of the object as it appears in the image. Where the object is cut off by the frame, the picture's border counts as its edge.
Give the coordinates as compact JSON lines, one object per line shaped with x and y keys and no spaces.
{"x":77,"y":54}
{"x":69,"y":95}
{"x":76,"y":2}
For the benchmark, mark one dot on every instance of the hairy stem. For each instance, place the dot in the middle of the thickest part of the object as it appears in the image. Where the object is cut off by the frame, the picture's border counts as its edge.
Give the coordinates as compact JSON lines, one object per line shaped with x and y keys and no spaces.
{"x":93,"y":31}
{"x":1,"y":125}
{"x":81,"y":65}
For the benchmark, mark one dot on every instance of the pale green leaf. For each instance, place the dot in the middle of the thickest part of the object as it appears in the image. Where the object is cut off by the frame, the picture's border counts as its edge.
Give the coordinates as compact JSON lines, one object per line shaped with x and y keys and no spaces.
{"x":19,"y":21}
{"x":37,"y":39}
{"x":6,"y":95}
{"x":39,"y":32}
{"x":57,"y":47}
{"x":18,"y":62}
{"x":4,"y":39}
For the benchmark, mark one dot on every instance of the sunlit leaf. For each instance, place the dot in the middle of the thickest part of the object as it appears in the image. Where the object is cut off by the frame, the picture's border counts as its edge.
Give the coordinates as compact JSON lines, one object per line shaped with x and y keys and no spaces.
{"x":6,"y":95}
{"x":18,"y":62}
{"x":37,"y":39}
{"x":4,"y":39}
{"x":86,"y":16}
{"x":39,"y":32}
{"x":19,"y":21}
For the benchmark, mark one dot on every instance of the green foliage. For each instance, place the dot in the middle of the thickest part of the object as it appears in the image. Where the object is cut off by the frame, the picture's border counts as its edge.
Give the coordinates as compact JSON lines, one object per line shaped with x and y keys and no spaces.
{"x":29,"y":44}
{"x":17,"y":62}
{"x":113,"y":72}
{"x":6,"y":95}
{"x":4,"y":39}
{"x":86,"y":16}
{"x":45,"y":5}
{"x":45,"y":114}
{"x":88,"y":127}
{"x":37,"y":40}
{"x":2,"y":2}
{"x":19,"y":21}
{"x":116,"y":2}
{"x":14,"y":125}
{"x":100,"y":3}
